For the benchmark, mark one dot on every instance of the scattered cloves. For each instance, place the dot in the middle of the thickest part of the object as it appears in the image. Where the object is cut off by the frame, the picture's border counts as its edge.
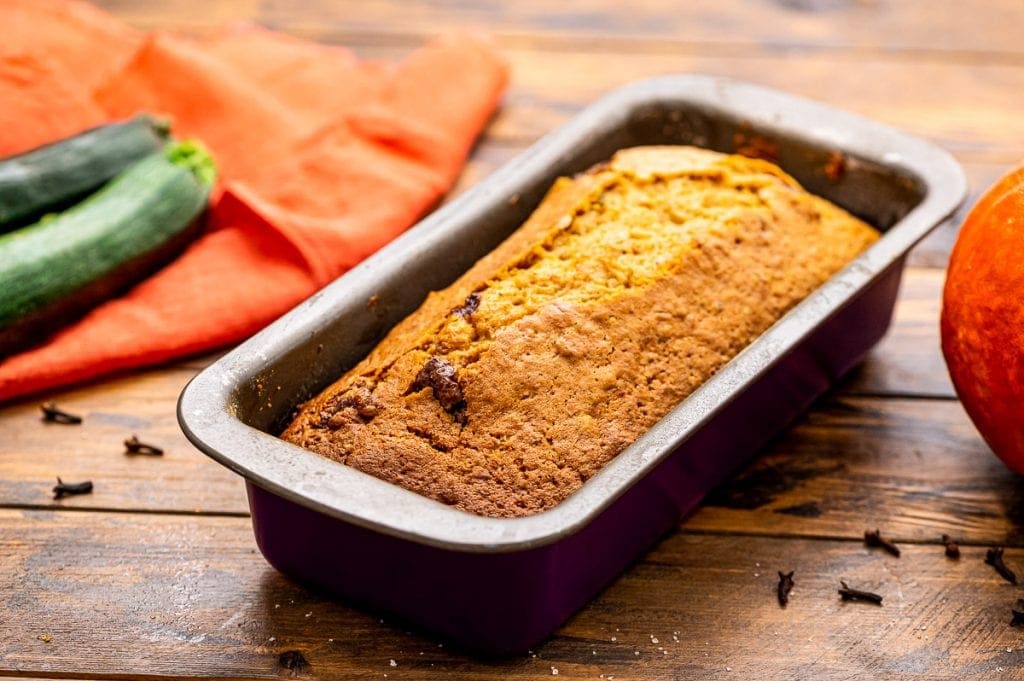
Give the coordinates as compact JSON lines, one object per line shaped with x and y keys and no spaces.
{"x":994,"y":557}
{"x":785,"y":586}
{"x":63,"y":489}
{"x":849,"y":594}
{"x":53,"y":414}
{"x":134,"y":446}
{"x":876,"y":539}
{"x":293,"y":660}
{"x":1018,"y":614}
{"x":952,"y":548}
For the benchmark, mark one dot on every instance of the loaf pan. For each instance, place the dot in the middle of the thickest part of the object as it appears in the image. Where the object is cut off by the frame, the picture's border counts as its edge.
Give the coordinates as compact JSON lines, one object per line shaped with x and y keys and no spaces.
{"x":501,"y":585}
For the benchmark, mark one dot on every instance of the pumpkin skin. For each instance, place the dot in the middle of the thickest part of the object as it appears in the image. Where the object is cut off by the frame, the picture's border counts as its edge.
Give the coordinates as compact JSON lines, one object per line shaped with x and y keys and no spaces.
{"x":982,"y":321}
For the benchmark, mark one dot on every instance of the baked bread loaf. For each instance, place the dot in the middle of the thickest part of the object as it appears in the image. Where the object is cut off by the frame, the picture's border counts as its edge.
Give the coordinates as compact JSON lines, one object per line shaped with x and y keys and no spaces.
{"x":627,"y":288}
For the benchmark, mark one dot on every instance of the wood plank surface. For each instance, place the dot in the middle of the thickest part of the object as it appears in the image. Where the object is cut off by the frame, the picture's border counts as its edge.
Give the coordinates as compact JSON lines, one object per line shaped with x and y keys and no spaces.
{"x":916,"y":468}
{"x":970,"y":108}
{"x":188,"y":597}
{"x":34,"y":453}
{"x":949,"y":29}
{"x":908,"y":361}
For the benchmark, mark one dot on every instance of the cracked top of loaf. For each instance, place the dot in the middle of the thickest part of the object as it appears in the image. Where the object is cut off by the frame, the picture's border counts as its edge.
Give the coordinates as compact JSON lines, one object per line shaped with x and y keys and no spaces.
{"x":628,"y":287}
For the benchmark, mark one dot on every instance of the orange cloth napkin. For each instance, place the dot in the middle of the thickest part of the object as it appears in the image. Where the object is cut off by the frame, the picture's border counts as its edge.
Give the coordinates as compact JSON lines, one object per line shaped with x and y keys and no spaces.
{"x":323,"y":159}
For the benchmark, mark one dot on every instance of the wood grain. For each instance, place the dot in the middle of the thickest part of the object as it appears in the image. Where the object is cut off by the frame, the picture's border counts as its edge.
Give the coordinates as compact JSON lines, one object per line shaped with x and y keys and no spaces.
{"x":969,"y":108}
{"x":183,"y":480}
{"x":189,"y":597}
{"x":908,"y":361}
{"x":915,"y":468}
{"x":967,"y":29}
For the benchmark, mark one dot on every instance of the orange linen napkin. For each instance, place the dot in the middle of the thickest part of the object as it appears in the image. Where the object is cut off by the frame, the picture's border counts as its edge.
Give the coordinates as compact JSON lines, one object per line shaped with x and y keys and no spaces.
{"x":323,"y":159}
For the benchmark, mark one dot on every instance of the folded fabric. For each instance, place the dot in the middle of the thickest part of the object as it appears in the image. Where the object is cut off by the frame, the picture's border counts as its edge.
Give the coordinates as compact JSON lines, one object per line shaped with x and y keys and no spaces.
{"x":323,"y":159}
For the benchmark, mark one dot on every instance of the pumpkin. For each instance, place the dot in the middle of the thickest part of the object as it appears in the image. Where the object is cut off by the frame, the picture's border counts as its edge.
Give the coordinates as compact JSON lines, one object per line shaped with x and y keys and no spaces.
{"x":982,"y":323}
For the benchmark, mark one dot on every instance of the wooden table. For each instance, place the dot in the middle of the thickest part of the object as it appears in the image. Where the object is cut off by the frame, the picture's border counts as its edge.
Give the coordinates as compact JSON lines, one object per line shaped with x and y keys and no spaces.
{"x":157,"y":574}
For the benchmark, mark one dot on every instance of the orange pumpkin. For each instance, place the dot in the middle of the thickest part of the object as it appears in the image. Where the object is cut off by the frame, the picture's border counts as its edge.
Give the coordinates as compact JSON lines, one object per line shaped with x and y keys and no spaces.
{"x":983,"y":317}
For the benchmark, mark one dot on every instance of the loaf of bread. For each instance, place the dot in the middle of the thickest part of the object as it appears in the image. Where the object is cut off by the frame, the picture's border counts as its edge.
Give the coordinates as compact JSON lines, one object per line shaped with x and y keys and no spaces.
{"x":628,"y":287}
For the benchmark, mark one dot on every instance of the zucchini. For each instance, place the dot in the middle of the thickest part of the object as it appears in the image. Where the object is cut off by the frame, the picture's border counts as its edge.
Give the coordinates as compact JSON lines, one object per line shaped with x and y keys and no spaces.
{"x":68,"y":262}
{"x":54,"y":176}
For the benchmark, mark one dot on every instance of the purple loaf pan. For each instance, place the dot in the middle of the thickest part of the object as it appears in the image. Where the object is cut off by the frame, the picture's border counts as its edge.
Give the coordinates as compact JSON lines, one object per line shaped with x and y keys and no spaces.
{"x":502,"y":585}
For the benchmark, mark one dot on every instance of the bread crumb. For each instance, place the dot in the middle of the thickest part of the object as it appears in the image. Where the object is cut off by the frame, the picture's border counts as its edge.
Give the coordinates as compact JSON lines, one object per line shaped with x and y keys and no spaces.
{"x":393,"y":663}
{"x":554,"y":671}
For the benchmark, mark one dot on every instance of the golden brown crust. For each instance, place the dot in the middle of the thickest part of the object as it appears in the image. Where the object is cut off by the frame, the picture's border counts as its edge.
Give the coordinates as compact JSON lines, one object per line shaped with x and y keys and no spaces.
{"x":627,"y":288}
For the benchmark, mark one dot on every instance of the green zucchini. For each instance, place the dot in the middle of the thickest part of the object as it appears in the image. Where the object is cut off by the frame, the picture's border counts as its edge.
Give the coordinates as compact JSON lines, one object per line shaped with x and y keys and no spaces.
{"x":66,"y":263}
{"x":54,"y":176}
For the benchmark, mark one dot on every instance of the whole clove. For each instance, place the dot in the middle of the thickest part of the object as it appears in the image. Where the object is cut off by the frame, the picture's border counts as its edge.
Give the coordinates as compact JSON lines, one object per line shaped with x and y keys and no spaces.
{"x":1018,"y":614}
{"x":849,"y":594}
{"x":53,"y":414}
{"x":952,"y":548}
{"x":785,"y":586}
{"x":994,"y":557}
{"x":63,"y":489}
{"x":134,"y":446}
{"x":876,"y":539}
{"x":293,"y":660}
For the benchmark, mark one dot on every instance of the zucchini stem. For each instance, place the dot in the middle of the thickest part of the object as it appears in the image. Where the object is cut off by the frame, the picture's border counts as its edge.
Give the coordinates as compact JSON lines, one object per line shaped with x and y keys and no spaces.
{"x":194,"y":156}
